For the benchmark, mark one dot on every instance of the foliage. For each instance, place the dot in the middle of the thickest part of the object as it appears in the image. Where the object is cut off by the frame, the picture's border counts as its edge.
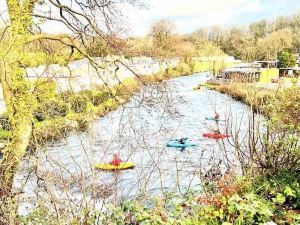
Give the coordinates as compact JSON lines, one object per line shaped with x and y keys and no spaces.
{"x":283,"y":189}
{"x":4,"y":134}
{"x":44,"y":90}
{"x":101,"y":97}
{"x":286,"y":60}
{"x":163,"y":36}
{"x":266,"y":199}
{"x":216,"y":66}
{"x":51,"y":109}
{"x":78,"y":103}
{"x":277,"y":147}
{"x":284,"y":107}
{"x":250,"y":206}
{"x":261,"y":40}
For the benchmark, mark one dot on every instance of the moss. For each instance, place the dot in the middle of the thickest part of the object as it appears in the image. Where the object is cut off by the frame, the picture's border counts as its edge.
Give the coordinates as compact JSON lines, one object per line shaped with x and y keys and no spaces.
{"x":4,"y":134}
{"x":4,"y":122}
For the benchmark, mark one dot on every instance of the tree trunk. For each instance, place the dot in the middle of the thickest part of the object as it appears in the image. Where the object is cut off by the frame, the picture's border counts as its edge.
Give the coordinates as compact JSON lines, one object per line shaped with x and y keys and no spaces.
{"x":19,"y":103}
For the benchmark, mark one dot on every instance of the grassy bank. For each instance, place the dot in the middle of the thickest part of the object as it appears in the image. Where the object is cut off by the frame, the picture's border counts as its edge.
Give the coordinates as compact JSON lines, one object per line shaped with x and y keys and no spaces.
{"x":57,"y":114}
{"x":280,"y":105}
{"x":249,"y":94}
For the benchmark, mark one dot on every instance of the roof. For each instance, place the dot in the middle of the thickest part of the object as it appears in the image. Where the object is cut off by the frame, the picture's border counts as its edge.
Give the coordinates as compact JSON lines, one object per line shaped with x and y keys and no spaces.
{"x":265,"y":61}
{"x":290,"y":68}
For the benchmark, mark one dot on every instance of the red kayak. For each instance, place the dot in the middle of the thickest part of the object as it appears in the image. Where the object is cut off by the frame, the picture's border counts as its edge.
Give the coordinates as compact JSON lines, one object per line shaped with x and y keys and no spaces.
{"x":215,"y":136}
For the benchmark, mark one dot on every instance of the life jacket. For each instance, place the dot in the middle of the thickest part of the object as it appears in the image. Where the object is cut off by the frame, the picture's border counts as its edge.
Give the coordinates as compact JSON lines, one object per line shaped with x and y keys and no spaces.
{"x":116,"y":160}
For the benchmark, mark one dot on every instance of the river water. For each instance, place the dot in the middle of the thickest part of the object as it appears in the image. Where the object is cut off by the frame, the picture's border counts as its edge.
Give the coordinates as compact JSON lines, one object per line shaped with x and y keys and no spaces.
{"x":138,"y":131}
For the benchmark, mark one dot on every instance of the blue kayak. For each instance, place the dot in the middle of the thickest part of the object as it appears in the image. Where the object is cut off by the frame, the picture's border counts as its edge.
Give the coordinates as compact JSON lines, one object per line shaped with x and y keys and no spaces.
{"x":176,"y":144}
{"x":213,"y":118}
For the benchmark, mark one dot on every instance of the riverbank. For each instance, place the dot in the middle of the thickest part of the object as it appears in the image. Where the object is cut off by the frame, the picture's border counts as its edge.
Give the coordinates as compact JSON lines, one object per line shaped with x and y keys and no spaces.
{"x":255,"y":97}
{"x":264,"y":200}
{"x":263,"y":101}
{"x":58,"y":114}
{"x":231,"y":199}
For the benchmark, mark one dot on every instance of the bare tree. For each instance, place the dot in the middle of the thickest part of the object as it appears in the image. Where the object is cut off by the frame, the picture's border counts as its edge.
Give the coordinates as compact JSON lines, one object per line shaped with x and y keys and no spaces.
{"x":83,"y":20}
{"x":162,"y":33}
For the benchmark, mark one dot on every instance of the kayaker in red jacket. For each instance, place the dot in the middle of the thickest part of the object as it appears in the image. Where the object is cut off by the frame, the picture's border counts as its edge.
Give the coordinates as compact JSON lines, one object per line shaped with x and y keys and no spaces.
{"x":116,"y":160}
{"x":217,"y":116}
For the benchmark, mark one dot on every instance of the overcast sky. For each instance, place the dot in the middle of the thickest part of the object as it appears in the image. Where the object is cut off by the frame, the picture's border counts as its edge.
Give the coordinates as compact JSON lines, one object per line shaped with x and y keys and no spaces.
{"x":190,"y":15}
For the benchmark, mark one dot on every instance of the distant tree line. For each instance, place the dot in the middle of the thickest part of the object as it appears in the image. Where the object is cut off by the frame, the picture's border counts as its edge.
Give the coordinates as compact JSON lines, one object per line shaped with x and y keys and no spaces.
{"x":262,"y":40}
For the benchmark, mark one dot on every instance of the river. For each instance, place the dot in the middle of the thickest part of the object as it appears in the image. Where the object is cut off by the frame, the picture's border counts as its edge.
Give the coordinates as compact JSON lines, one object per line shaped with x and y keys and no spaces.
{"x":63,"y":171}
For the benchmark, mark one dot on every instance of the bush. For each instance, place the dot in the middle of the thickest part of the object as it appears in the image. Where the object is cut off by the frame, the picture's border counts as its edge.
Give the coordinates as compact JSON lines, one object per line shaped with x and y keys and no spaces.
{"x":282,"y":188}
{"x":284,"y":107}
{"x":88,"y":93}
{"x":51,"y":109}
{"x":101,"y":97}
{"x":66,"y":95}
{"x":79,"y":103}
{"x":286,"y":59}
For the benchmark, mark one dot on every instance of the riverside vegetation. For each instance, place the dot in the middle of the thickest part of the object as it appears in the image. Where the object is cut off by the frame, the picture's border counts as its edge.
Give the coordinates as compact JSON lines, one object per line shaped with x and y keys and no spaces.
{"x":55,"y":114}
{"x":268,"y":190}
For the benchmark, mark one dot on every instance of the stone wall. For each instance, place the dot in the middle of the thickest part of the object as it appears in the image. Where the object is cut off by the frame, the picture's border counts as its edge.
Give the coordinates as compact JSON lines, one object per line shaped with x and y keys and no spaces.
{"x":81,"y":75}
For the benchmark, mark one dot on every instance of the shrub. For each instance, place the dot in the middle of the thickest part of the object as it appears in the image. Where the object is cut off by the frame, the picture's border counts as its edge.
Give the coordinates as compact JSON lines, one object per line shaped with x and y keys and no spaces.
{"x":101,"y":97}
{"x":286,"y":59}
{"x":88,"y":93}
{"x":284,"y":107}
{"x":66,"y":95}
{"x":79,"y":103}
{"x":51,"y":109}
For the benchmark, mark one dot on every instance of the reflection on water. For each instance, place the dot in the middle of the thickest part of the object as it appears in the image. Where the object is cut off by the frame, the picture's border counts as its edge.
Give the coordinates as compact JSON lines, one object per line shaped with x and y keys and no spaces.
{"x":138,"y":131}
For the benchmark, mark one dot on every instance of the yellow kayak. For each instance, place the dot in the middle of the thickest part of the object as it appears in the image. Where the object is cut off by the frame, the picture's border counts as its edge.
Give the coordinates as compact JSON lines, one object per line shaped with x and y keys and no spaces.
{"x":122,"y":166}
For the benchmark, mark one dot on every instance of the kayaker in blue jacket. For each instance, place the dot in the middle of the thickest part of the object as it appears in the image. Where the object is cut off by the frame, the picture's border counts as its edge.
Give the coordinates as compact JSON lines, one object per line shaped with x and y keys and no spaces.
{"x":182,"y":141}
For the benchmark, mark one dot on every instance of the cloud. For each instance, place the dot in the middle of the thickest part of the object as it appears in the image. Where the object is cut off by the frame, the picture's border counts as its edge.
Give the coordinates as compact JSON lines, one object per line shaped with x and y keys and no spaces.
{"x":171,"y":8}
{"x":189,"y":14}
{"x":253,"y":6}
{"x":192,"y":14}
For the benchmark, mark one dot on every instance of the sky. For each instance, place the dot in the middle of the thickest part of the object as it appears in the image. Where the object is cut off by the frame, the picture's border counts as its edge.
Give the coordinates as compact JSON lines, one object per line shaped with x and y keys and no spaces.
{"x":189,"y":15}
